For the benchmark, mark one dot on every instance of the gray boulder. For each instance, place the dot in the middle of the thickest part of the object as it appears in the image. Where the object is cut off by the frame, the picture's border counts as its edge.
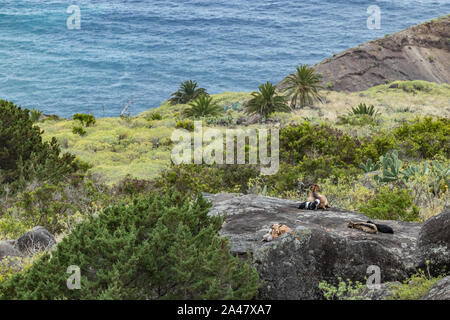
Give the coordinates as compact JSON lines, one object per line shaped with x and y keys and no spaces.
{"x":382,"y":293}
{"x":434,"y":243}
{"x":320,"y":247}
{"x":440,"y":290}
{"x":7,"y":249}
{"x":38,"y":239}
{"x":10,"y":253}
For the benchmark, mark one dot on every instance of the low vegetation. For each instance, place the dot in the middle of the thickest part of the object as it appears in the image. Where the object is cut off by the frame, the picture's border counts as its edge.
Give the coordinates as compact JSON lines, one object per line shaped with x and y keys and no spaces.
{"x":156,"y":247}
{"x":114,"y":185}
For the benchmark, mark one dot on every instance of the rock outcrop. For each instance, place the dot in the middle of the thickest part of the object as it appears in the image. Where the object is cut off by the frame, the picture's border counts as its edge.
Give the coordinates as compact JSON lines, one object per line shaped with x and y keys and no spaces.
{"x":38,"y":239}
{"x":440,"y":290}
{"x":434,"y":243}
{"x":421,"y":52}
{"x":320,"y":246}
{"x":8,"y":250}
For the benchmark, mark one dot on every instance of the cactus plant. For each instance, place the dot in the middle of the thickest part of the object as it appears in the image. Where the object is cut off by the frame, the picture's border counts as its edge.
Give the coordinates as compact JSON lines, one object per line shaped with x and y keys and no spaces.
{"x":413,"y":170}
{"x":369,"y":166}
{"x":391,"y":165}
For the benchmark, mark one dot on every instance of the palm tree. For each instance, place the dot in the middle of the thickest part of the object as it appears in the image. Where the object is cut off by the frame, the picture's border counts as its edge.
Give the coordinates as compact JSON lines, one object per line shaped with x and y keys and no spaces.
{"x":266,"y":101}
{"x":188,"y":91}
{"x":203,"y":106}
{"x":303,"y":86}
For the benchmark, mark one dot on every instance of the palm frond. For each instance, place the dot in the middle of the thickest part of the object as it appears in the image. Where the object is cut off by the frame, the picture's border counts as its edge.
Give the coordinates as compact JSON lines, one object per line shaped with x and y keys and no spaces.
{"x":203,"y":106}
{"x":266,"y":101}
{"x":187,"y":92}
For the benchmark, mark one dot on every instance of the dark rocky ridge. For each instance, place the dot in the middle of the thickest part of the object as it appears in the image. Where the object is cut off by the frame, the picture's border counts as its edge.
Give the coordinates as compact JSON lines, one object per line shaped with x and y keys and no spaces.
{"x":404,"y":55}
{"x":321,"y":246}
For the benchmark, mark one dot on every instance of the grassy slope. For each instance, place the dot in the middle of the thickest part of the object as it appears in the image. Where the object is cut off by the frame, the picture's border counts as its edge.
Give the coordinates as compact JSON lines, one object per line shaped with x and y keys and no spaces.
{"x":117,"y":147}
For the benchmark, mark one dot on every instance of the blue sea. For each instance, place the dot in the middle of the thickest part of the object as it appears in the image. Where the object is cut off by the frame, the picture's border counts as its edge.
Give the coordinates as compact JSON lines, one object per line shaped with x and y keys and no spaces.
{"x":140,"y":50}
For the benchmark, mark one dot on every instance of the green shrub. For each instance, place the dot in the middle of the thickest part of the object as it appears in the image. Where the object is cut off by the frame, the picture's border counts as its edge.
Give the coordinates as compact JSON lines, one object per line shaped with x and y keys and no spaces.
{"x":194,"y":178}
{"x":219,"y":121}
{"x":58,"y":207}
{"x":79,"y":130}
{"x":391,"y":204}
{"x":35,"y":115}
{"x":155,"y":116}
{"x":86,"y":120}
{"x":185,"y":124}
{"x":25,"y":157}
{"x":414,"y":86}
{"x":158,"y":247}
{"x":131,"y":186}
{"x":358,"y":120}
{"x":52,"y":117}
{"x":414,"y":287}
{"x":320,"y":149}
{"x":424,"y":138}
{"x":378,"y":145}
{"x":345,"y":290}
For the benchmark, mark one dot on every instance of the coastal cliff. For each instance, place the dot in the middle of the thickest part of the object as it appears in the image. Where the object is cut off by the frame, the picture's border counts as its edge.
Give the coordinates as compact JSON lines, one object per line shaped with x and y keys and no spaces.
{"x":421,"y":52}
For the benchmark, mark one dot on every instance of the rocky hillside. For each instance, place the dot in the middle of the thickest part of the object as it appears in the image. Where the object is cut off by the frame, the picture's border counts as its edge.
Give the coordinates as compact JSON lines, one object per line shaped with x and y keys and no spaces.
{"x":421,"y":52}
{"x":322,"y":247}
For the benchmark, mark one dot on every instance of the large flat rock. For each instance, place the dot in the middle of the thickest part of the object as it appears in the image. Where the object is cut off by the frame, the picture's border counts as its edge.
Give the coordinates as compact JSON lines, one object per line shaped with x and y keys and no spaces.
{"x":322,"y":247}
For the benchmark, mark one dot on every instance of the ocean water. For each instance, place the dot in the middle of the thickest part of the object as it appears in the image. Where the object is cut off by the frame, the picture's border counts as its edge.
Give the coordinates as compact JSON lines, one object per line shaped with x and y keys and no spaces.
{"x":140,"y":50}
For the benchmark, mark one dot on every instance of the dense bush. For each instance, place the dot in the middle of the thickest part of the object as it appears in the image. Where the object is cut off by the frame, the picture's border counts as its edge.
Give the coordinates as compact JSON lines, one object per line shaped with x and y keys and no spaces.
{"x":130,"y":186}
{"x":57,"y":207}
{"x":35,"y":115}
{"x":414,"y":86}
{"x":391,"y":204}
{"x":85,"y":119}
{"x":378,"y":145}
{"x":320,"y":150}
{"x":157,"y":247}
{"x":424,"y":138}
{"x":194,"y":178}
{"x":308,"y":140}
{"x":79,"y":130}
{"x":185,"y":124}
{"x":358,"y":120}
{"x":155,"y":116}
{"x":23,"y":154}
